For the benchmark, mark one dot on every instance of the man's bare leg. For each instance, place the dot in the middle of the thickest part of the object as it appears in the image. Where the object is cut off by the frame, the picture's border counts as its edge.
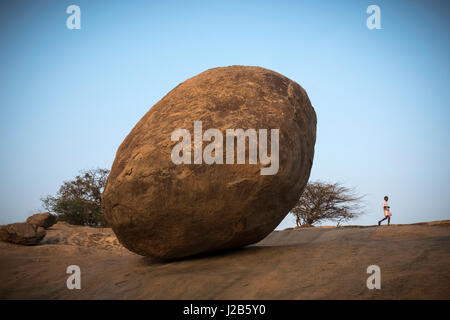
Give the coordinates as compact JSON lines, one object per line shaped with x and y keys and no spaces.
{"x":379,"y":222}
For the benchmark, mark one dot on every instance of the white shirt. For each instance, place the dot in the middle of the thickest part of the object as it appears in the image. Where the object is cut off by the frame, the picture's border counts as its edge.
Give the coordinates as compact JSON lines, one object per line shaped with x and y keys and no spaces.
{"x":385,"y":204}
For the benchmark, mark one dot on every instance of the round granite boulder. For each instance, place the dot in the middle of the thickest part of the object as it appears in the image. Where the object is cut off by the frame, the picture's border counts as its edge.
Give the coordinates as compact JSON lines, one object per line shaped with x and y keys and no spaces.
{"x":187,"y":181}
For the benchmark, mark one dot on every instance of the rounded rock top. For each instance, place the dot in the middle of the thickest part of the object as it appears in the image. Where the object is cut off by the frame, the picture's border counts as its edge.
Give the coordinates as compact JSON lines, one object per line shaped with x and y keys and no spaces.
{"x":215,"y":164}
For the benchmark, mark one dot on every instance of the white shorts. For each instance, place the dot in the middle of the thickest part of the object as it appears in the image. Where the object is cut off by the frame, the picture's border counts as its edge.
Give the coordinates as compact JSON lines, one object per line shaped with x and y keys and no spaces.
{"x":387,"y":213}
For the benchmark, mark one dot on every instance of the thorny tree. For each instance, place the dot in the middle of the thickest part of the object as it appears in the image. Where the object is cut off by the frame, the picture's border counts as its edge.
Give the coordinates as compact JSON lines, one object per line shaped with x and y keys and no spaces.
{"x":324,"y":201}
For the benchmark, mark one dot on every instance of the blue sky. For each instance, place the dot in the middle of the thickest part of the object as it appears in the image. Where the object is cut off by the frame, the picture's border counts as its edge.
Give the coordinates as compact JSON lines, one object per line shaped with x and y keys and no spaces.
{"x":69,"y":97}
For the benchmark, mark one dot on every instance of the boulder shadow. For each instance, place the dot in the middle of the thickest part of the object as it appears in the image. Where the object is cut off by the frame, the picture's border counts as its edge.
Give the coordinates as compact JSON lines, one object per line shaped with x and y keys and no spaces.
{"x":231,"y":253}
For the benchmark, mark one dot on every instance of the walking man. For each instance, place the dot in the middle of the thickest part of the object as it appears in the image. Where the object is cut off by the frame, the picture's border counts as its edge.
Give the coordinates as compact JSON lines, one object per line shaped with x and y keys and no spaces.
{"x":387,"y":211}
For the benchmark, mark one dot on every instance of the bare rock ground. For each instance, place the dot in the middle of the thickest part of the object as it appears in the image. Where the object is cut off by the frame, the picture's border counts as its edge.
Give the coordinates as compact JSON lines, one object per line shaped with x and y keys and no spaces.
{"x":313,"y":263}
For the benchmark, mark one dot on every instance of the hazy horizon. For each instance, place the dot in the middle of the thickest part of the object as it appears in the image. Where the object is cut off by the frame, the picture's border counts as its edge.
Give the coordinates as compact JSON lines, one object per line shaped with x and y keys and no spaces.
{"x":69,"y":97}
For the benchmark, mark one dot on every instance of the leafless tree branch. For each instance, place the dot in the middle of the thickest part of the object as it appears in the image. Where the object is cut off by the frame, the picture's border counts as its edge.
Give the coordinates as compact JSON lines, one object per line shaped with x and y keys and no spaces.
{"x":327,"y":201}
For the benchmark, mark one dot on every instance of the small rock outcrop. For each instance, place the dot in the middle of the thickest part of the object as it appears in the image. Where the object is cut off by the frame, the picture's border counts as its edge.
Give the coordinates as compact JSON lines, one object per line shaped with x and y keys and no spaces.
{"x":44,"y":220}
{"x":22,"y":233}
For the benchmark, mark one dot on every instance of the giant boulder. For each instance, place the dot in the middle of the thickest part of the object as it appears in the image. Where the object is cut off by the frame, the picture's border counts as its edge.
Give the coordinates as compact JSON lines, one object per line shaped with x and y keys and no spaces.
{"x":166,"y":210}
